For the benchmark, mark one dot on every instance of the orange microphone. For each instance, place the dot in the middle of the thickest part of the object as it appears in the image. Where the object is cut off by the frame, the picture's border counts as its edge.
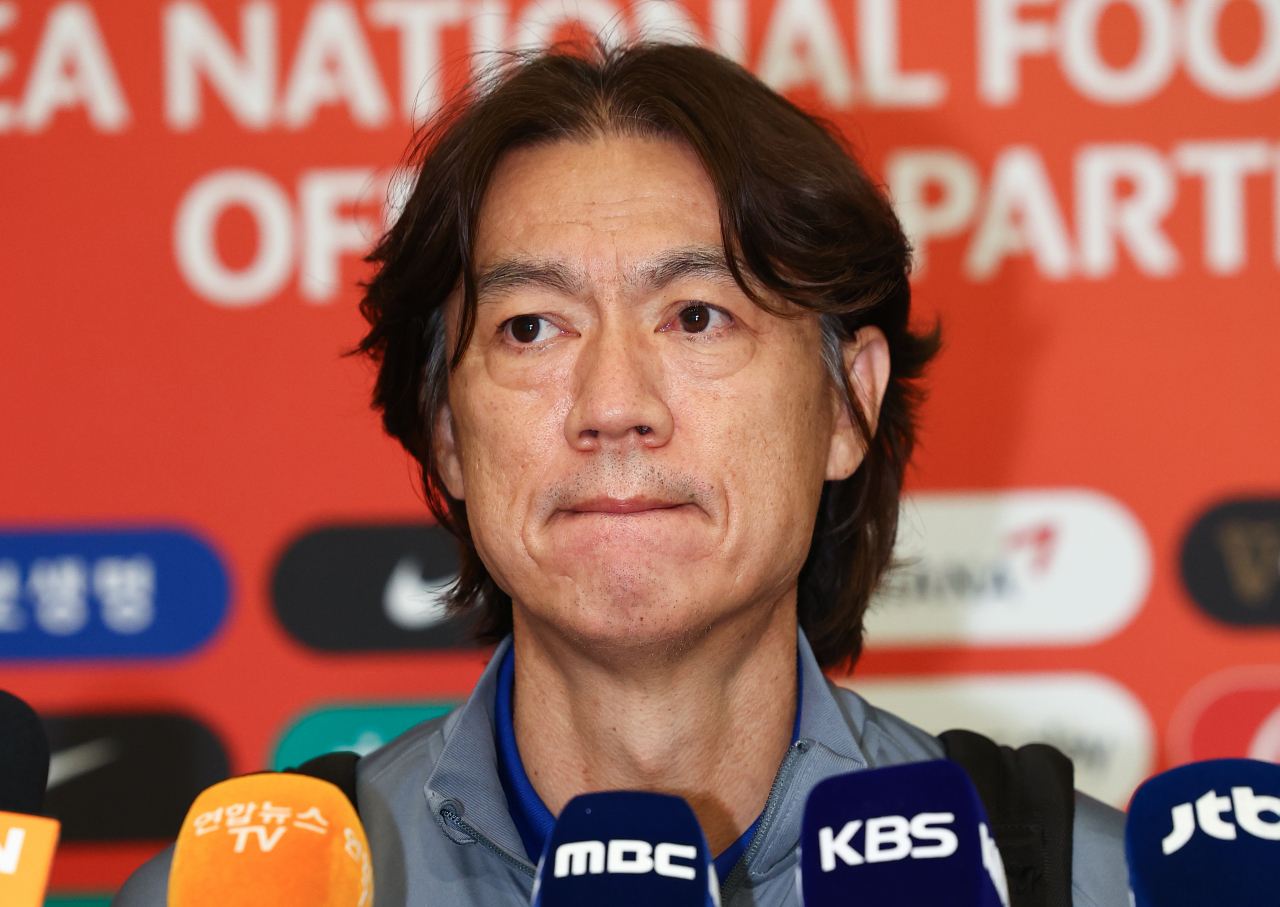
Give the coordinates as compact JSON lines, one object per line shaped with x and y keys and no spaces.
{"x":271,"y":839}
{"x":27,"y":844}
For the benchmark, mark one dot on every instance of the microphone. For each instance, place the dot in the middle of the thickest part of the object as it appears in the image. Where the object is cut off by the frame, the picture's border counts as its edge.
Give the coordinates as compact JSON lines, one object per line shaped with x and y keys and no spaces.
{"x":270,"y":839}
{"x":27,"y":845}
{"x":27,"y":840}
{"x":625,"y":848}
{"x":24,"y":757}
{"x":901,"y":836}
{"x":1206,"y":833}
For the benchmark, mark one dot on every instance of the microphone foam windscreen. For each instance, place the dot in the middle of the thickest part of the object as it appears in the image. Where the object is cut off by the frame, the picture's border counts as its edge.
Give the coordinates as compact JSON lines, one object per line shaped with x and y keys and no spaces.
{"x":626,"y":848}
{"x":27,"y":845}
{"x":1206,"y":833}
{"x":24,"y":757}
{"x":271,"y":839}
{"x":902,"y":836}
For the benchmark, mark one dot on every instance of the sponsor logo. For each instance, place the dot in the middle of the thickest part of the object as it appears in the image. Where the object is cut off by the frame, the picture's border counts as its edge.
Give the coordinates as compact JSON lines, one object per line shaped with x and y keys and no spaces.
{"x":369,"y":588}
{"x":354,"y":729}
{"x":117,"y":777}
{"x":73,"y":762}
{"x":625,"y":856}
{"x":922,"y":837}
{"x":411,"y":602}
{"x":1058,"y":567}
{"x":1208,"y":813}
{"x":1097,"y":722}
{"x":889,"y":838}
{"x":1231,"y":562}
{"x":1230,"y":715}
{"x":107,"y":593}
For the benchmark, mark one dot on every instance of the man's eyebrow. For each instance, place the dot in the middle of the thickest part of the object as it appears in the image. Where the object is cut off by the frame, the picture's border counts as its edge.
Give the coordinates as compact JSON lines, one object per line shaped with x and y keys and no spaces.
{"x":707,"y":262}
{"x":511,"y":274}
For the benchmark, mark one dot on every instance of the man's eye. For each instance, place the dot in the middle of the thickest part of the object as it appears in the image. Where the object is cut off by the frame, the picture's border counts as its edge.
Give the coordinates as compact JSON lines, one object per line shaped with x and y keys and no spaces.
{"x":695,"y":319}
{"x":530,"y":329}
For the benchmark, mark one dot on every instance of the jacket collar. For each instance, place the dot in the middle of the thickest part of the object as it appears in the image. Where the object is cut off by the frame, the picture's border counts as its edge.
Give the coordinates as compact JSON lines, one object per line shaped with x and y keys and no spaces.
{"x":830,"y":743}
{"x":466,"y":774}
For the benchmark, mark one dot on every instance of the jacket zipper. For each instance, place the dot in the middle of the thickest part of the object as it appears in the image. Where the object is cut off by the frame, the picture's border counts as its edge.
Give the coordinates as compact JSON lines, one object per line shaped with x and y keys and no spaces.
{"x":781,"y":781}
{"x":447,"y":814}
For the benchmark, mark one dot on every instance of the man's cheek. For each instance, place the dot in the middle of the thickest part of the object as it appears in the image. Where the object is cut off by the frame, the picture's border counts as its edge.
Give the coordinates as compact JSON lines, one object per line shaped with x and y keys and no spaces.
{"x":511,"y":447}
{"x":748,"y":421}
{"x":776,"y":455}
{"x":499,"y":424}
{"x":530,"y":373}
{"x":707,"y":363}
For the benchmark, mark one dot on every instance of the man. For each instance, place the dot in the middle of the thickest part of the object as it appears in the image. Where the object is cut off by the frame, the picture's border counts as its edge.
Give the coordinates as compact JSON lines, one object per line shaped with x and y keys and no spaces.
{"x":644,"y":325}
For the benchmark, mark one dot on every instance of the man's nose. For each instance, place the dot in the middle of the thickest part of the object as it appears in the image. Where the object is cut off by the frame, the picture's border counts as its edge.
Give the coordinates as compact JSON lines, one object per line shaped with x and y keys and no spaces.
{"x":619,"y":401}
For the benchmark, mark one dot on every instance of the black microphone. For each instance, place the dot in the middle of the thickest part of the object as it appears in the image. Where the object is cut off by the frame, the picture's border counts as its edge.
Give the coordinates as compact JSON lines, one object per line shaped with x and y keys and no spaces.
{"x":24,"y":757}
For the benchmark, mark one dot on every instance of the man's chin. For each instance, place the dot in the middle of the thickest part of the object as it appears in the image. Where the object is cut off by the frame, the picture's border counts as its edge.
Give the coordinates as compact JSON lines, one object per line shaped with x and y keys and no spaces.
{"x":635,"y":640}
{"x":627,"y":609}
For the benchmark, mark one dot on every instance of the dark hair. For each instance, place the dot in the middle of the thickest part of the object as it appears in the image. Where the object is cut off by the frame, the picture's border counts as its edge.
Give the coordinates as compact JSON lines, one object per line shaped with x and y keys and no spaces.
{"x":799,"y":218}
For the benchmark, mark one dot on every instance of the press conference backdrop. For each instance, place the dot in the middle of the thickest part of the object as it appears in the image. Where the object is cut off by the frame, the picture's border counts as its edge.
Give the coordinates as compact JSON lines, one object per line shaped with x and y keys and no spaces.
{"x":212,"y":561}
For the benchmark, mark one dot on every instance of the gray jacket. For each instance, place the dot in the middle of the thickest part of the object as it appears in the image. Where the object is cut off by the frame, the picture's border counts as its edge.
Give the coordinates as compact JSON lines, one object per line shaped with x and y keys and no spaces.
{"x":440,"y":833}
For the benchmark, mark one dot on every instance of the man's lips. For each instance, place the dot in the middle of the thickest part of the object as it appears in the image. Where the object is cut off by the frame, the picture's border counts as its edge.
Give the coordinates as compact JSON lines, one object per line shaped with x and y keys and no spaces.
{"x":622,"y":506}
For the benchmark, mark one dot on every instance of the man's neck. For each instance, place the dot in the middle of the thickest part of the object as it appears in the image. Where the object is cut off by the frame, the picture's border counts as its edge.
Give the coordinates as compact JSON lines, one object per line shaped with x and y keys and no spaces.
{"x":709,"y":720}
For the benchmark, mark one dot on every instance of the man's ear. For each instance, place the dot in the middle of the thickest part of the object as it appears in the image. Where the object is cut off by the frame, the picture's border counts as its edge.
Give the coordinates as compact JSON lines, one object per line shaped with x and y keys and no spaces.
{"x":448,"y":462}
{"x":866,"y":362}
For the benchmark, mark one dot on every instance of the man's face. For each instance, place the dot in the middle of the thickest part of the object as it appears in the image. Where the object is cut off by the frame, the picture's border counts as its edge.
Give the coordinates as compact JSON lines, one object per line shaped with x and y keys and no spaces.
{"x":640,"y":447}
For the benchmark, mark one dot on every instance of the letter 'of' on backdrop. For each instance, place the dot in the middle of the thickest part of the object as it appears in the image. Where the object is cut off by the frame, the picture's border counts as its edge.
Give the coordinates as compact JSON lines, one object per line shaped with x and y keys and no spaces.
{"x":626,"y":847}
{"x":1206,"y":834}
{"x":271,"y":839}
{"x":899,"y":837}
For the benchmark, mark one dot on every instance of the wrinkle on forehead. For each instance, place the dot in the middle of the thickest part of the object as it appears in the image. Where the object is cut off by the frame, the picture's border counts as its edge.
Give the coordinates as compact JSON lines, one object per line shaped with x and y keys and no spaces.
{"x":697,"y":262}
{"x":565,"y":183}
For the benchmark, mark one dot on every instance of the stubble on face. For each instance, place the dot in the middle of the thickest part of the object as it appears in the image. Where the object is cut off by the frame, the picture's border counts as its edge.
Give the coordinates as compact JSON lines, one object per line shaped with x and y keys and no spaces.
{"x":724,"y":495}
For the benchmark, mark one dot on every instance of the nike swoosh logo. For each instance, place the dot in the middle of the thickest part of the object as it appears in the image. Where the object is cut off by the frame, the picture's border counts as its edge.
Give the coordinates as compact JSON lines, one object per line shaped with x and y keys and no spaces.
{"x":411,"y":602}
{"x":66,"y":765}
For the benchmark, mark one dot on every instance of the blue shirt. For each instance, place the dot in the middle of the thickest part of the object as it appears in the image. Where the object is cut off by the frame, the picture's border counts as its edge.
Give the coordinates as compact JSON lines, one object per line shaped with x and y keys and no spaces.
{"x":531,"y":817}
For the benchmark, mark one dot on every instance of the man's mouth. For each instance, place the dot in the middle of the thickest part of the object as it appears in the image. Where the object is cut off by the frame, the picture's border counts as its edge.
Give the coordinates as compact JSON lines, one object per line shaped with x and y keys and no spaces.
{"x":624,"y":506}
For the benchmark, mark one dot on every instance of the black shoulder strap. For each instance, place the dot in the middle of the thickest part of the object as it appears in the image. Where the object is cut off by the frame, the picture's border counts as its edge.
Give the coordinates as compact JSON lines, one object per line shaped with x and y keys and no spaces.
{"x":1029,"y":794}
{"x":339,"y":769}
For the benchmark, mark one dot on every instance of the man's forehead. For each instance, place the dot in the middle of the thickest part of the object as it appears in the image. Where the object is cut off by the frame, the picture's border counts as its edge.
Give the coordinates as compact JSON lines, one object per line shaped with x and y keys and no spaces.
{"x":615,"y":195}
{"x":630,"y":211}
{"x":592,"y":166}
